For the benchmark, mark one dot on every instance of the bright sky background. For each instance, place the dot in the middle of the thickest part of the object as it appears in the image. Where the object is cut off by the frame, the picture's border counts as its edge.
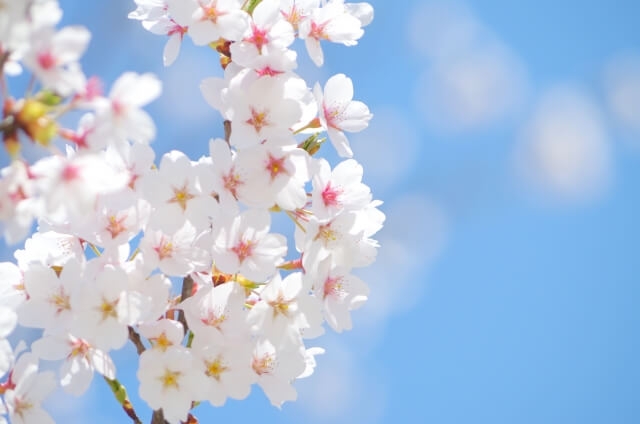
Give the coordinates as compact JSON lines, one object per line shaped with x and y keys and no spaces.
{"x":506,"y":147}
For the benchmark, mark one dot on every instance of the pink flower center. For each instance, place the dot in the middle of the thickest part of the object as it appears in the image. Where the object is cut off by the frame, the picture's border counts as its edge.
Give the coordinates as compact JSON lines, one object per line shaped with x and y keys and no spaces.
{"x":231,"y":183}
{"x":258,"y":38}
{"x":79,"y":348}
{"x":46,"y":60}
{"x":333,"y":115}
{"x":210,"y":12}
{"x":267,"y":71}
{"x":116,"y":226}
{"x":177,"y":29}
{"x":264,"y":364}
{"x":275,"y":166}
{"x":333,"y":287}
{"x":70,"y":173}
{"x":330,"y":196}
{"x":164,"y":249}
{"x":258,"y":120}
{"x":318,"y":31}
{"x":243,"y":250}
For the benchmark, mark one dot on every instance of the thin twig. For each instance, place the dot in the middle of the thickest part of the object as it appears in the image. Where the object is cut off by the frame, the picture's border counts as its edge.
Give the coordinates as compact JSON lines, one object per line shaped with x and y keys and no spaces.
{"x":158,"y":417}
{"x":120,"y":393}
{"x":137,"y":341}
{"x":227,"y":131}
{"x":7,"y":123}
{"x":187,"y":288}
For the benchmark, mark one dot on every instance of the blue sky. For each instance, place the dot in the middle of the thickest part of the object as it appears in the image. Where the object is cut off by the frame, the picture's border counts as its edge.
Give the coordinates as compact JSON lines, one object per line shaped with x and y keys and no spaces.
{"x":506,"y":146}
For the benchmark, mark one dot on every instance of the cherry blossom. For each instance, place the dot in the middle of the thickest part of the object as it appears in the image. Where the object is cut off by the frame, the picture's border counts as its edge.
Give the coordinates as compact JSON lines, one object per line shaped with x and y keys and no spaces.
{"x":118,"y":228}
{"x":340,"y":113}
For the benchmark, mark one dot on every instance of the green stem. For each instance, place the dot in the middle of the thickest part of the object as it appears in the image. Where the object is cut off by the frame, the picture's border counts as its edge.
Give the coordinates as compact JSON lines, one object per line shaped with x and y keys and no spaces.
{"x":120,"y":393}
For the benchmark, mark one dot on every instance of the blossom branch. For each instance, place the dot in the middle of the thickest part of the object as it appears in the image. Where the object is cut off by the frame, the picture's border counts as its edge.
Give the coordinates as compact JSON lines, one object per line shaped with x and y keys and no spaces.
{"x":137,"y":341}
{"x":187,"y":289}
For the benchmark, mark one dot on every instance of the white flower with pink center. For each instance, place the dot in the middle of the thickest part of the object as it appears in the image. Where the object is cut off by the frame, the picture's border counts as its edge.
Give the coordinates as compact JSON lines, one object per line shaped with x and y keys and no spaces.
{"x":276,"y":367}
{"x":169,"y":380}
{"x":71,"y":185}
{"x":155,"y":18}
{"x":261,"y":110}
{"x":8,"y":321}
{"x":245,"y":245}
{"x":175,"y":191}
{"x":331,"y":22}
{"x":51,"y":296}
{"x":338,"y":190}
{"x":174,"y":253}
{"x":105,"y":307}
{"x":53,"y":58}
{"x":273,"y":175}
{"x":120,"y":117}
{"x":81,"y":360}
{"x":339,"y":112}
{"x":18,"y":204}
{"x":284,"y":309}
{"x":27,"y":389}
{"x":217,"y":313}
{"x":268,"y":32}
{"x":209,"y":20}
{"x":224,"y":369}
{"x":339,"y":291}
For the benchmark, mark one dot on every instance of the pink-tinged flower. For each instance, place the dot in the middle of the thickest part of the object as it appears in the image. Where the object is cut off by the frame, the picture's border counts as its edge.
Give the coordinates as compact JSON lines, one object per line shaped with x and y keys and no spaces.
{"x":225,"y":369}
{"x":51,"y":297}
{"x":71,"y":185}
{"x":227,"y":181}
{"x":268,"y":32}
{"x":330,"y":22}
{"x":120,"y":117}
{"x":8,"y":321}
{"x":28,"y":388}
{"x":175,"y":253}
{"x":175,"y":190}
{"x":155,"y":18}
{"x":163,"y":334}
{"x":50,"y":248}
{"x":296,"y":11}
{"x":276,"y":368}
{"x":12,"y":293}
{"x":209,"y":20}
{"x":285,"y":309}
{"x":217,"y":312}
{"x":262,"y":110}
{"x":53,"y":58}
{"x":169,"y":380}
{"x":338,"y":190}
{"x":246,"y":246}
{"x":105,"y":307}
{"x":18,"y":204}
{"x":135,"y":161}
{"x":339,"y":112}
{"x":81,"y":360}
{"x":273,"y":175}
{"x":117,"y":219}
{"x":339,"y":291}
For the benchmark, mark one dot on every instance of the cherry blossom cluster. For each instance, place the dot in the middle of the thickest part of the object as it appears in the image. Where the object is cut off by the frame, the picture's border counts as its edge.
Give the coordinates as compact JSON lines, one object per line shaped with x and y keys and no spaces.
{"x":178,"y":255}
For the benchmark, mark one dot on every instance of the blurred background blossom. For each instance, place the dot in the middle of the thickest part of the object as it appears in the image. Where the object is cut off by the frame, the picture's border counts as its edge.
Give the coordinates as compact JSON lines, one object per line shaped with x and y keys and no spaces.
{"x":506,"y":146}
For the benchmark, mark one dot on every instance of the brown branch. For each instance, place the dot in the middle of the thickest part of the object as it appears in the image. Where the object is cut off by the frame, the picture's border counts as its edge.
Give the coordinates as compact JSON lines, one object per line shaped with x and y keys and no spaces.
{"x":187,"y":288}
{"x":227,"y":131}
{"x":137,"y":341}
{"x":158,"y":417}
